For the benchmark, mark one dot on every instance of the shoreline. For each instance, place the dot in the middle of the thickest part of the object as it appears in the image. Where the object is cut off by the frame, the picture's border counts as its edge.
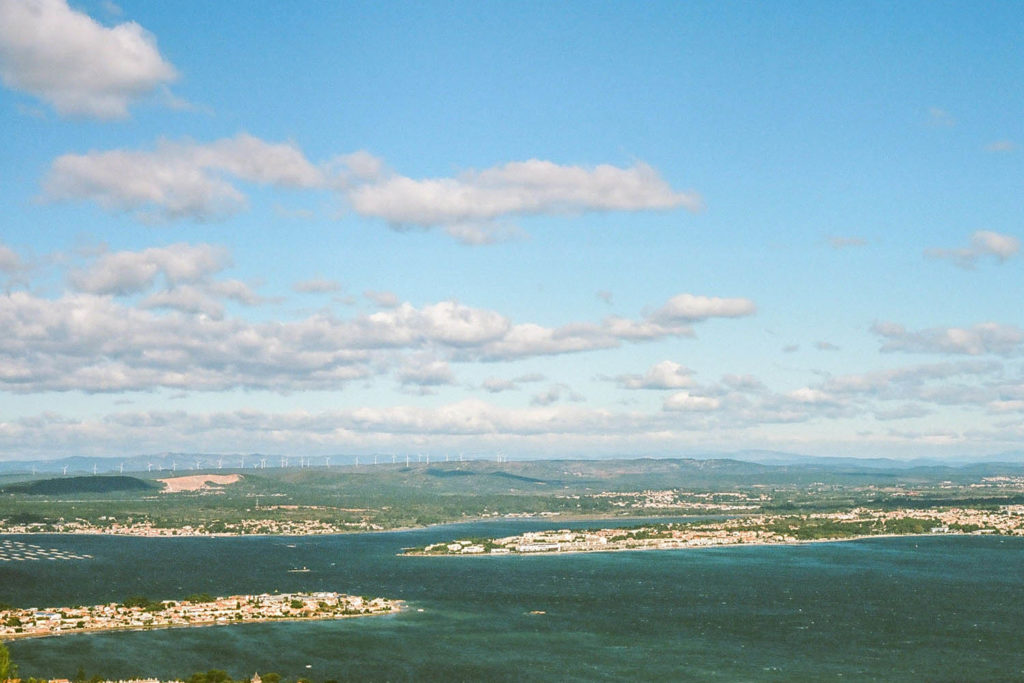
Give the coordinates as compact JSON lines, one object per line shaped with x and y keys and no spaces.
{"x":264,"y":608}
{"x":399,"y":607}
{"x":708,"y":546}
{"x":343,"y":532}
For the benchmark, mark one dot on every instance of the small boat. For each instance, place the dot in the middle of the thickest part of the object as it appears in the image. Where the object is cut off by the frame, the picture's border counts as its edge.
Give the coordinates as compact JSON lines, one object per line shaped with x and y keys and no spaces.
{"x":296,"y":570}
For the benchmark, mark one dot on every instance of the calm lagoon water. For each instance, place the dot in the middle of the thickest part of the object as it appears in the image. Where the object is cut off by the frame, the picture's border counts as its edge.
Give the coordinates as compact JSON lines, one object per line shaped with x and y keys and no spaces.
{"x":923,"y":608}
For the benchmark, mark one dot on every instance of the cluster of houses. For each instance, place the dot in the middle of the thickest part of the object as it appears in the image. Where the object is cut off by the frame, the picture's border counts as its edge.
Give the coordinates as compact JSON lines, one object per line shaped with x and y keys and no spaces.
{"x":756,"y":529}
{"x":147,"y":528}
{"x":33,"y":622}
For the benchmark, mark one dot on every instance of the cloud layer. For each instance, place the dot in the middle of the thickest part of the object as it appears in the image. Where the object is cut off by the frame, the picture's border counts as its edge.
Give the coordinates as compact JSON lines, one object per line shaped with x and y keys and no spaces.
{"x":158,"y":318}
{"x":189,"y":180}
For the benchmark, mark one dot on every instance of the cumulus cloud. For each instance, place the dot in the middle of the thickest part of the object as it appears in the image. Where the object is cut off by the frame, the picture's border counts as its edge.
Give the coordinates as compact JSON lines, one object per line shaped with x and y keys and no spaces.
{"x":983,"y":338}
{"x":476,"y":200}
{"x":684,"y":401}
{"x":984,"y":243}
{"x":158,"y":318}
{"x":132,"y":272}
{"x":179,"y":179}
{"x":664,"y":375}
{"x":75,"y":64}
{"x":689,"y":308}
{"x":189,"y":180}
{"x":424,"y":374}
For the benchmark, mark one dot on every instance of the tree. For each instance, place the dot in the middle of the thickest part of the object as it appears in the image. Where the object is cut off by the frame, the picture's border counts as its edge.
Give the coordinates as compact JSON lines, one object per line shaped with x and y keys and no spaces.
{"x":6,"y":668}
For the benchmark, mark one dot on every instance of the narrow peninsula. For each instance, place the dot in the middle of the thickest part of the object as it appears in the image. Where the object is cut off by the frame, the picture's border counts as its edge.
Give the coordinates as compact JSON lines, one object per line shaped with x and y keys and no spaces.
{"x":200,"y":610}
{"x":748,"y":530}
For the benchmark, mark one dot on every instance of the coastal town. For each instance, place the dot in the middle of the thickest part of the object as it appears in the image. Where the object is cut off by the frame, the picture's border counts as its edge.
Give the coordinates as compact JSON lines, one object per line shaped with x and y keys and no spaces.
{"x":146,"y":527}
{"x":141,"y":613}
{"x":1007,"y":520}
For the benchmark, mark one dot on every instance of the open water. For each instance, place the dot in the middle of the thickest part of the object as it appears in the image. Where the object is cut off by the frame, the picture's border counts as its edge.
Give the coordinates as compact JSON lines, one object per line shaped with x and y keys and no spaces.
{"x":921,"y":608}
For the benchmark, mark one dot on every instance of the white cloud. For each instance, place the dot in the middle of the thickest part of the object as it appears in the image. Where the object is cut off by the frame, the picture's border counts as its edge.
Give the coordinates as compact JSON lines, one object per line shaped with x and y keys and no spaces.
{"x":809,"y":395}
{"x":179,"y":179}
{"x":180,"y":337}
{"x":478,"y":198}
{"x":663,"y":375}
{"x":159,"y":318}
{"x":690,"y":308}
{"x":188,"y":180}
{"x":983,"y":338}
{"x":983,"y":243}
{"x":684,"y":401}
{"x":132,"y":272}
{"x":426,"y":372}
{"x":80,"y":67}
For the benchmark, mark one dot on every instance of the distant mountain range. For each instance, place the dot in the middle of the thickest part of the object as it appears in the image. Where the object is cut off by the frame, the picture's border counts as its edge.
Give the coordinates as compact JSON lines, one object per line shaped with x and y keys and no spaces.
{"x":184,"y":462}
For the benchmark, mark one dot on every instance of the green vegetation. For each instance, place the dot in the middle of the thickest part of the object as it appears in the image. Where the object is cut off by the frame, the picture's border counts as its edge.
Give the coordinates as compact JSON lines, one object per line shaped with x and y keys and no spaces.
{"x":76,"y":485}
{"x":7,"y":668}
{"x":145,"y":603}
{"x":389,"y":496}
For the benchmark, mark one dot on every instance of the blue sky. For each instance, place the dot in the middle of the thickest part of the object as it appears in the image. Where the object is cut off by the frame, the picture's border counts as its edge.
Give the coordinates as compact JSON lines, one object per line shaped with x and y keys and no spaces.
{"x":544,"y":229}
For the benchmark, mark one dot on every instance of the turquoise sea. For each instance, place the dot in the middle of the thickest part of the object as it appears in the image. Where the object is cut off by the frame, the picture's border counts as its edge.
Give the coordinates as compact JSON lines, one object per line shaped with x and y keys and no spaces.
{"x":915,"y":608}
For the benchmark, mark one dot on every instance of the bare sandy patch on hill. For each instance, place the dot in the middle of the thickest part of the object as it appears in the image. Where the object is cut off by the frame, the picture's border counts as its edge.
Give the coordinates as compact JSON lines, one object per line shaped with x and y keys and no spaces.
{"x":198,"y":481}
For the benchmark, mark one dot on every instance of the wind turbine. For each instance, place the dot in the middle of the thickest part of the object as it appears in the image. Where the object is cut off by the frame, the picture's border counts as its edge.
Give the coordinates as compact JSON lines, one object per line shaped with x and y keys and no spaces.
{"x":220,"y":463}
{"x":327,"y":461}
{"x":122,"y":468}
{"x":149,"y":467}
{"x":263,"y":463}
{"x":94,"y":469}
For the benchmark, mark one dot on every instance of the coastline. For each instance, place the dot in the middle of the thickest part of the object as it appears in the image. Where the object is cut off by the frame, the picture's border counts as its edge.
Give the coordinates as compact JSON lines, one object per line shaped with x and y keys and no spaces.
{"x":401,"y":607}
{"x":342,"y":532}
{"x":261,"y":609}
{"x":701,"y":546}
